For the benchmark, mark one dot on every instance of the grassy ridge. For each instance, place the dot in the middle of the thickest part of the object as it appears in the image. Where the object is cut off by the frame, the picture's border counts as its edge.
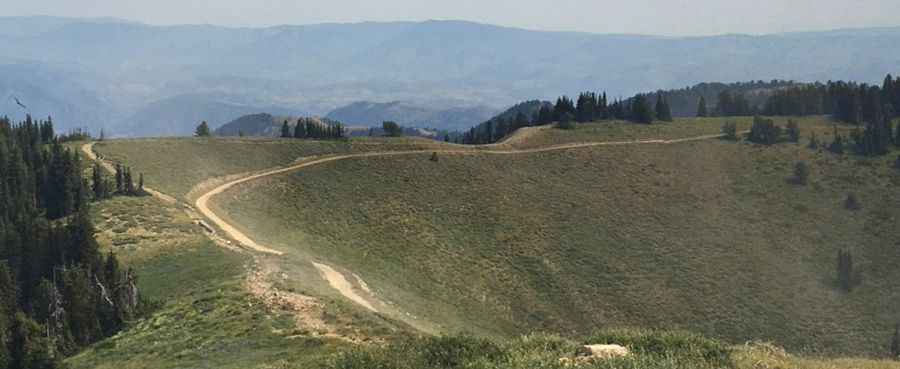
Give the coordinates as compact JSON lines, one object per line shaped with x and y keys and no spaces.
{"x":175,"y":165}
{"x":707,"y":236}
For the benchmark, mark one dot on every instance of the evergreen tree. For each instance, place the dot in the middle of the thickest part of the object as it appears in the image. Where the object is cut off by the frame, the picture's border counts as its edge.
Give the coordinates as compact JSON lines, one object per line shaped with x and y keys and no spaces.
{"x":300,"y":129}
{"x":285,"y":130}
{"x":663,"y":112}
{"x":701,"y":107}
{"x":392,"y":129}
{"x":202,"y":130}
{"x":640,"y":110}
{"x":895,"y":343}
{"x":845,"y":270}
{"x":793,"y":131}
{"x":99,"y":183}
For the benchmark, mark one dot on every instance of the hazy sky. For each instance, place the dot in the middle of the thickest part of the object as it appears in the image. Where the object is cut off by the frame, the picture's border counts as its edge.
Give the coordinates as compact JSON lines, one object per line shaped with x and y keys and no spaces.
{"x":660,"y":17}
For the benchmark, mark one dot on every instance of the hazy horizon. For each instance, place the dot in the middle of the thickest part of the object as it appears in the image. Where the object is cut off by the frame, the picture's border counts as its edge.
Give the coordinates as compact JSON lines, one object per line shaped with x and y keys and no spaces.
{"x":646,"y":17}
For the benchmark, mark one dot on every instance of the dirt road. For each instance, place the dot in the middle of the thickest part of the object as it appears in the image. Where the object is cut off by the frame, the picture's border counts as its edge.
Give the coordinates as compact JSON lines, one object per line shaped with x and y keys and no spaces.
{"x":334,"y":278}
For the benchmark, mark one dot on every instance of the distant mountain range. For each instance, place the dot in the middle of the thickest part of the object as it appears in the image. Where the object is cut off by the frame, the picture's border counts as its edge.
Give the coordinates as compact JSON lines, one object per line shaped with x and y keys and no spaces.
{"x":137,"y":79}
{"x":366,"y":113}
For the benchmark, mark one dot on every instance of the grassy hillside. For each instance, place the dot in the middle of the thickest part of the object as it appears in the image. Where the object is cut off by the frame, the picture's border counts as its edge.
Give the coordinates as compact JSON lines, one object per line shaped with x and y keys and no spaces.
{"x":175,"y":165}
{"x":205,"y":314}
{"x":707,"y":236}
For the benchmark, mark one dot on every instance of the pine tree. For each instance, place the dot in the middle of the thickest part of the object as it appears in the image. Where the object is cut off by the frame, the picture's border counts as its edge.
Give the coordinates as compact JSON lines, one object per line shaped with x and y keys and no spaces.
{"x":202,"y":130}
{"x":640,"y":110}
{"x":98,"y":183}
{"x":701,"y":107}
{"x":793,"y":131}
{"x":663,"y":112}
{"x":300,"y":129}
{"x":285,"y":130}
{"x":895,"y":343}
{"x":120,"y":179}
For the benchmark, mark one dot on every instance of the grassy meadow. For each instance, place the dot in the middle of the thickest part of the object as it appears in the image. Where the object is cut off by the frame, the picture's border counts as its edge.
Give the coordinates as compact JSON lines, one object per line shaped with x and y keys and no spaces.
{"x":707,"y":236}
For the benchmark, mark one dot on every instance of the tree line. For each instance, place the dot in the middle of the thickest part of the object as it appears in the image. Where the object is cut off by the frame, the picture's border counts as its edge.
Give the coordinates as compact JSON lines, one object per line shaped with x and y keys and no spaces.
{"x":566,"y":112}
{"x":58,"y":293}
{"x":310,"y":128}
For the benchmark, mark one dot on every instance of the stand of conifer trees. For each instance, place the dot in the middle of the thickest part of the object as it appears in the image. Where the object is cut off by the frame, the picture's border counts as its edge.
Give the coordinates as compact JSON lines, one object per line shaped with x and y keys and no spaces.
{"x":57,"y":292}
{"x":309,"y":128}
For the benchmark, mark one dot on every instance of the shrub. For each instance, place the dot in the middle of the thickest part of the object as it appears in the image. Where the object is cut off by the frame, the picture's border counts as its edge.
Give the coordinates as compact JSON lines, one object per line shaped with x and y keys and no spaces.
{"x":852,"y":203}
{"x":801,"y":173}
{"x":764,"y":131}
{"x":729,"y":131}
{"x":837,"y":145}
{"x":813,"y":142}
{"x":683,"y":345}
{"x":566,"y":121}
{"x":793,"y":131}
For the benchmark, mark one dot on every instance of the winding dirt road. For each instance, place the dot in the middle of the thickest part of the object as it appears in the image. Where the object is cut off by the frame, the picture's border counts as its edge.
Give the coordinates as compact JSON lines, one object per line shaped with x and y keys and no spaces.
{"x":334,"y":278}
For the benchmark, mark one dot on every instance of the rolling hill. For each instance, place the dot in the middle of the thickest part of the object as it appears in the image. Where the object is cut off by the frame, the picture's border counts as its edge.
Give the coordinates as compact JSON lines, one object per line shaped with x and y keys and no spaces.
{"x":704,"y":235}
{"x":708,"y":236}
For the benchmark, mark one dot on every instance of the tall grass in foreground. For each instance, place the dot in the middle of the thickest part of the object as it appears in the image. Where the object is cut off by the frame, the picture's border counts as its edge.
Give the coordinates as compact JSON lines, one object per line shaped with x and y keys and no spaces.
{"x":651,"y":350}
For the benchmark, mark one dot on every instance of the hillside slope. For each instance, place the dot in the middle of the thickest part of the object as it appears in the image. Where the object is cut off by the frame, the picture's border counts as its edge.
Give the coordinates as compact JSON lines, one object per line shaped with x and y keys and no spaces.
{"x":707,"y":236}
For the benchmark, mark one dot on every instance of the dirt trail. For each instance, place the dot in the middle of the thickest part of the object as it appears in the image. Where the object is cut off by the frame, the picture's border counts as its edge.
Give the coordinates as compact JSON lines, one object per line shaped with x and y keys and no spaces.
{"x":336,"y":279}
{"x":340,"y":283}
{"x":88,"y":150}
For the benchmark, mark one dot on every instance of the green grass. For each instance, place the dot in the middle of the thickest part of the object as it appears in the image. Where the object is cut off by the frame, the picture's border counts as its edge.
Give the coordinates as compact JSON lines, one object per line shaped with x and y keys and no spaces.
{"x":705,"y":236}
{"x":175,"y":165}
{"x":206,"y":317}
{"x":537,"y":351}
{"x":623,"y":131}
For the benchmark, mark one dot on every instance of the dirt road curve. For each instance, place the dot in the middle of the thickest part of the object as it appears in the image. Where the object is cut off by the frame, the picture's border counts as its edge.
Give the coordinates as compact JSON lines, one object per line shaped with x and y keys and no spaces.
{"x":337,"y":280}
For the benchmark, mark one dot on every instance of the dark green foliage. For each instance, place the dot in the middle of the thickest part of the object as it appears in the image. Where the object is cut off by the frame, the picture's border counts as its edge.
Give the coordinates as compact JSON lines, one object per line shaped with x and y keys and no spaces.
{"x":793,"y":131}
{"x":202,"y":130}
{"x":392,"y":129}
{"x":764,"y":131}
{"x":663,"y":112}
{"x":733,"y":104}
{"x":845,"y":276}
{"x":729,"y":131}
{"x":286,"y":130}
{"x":701,"y":107}
{"x":99,"y":184}
{"x":310,"y":128}
{"x":667,"y":344}
{"x":874,"y":140}
{"x":895,"y":343}
{"x":125,"y":182}
{"x":641,"y":112}
{"x":566,"y":121}
{"x":50,"y":276}
{"x":801,"y":173}
{"x":448,"y":352}
{"x":813,"y":142}
{"x":851,"y":202}
{"x":837,"y":146}
{"x":300,"y":129}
